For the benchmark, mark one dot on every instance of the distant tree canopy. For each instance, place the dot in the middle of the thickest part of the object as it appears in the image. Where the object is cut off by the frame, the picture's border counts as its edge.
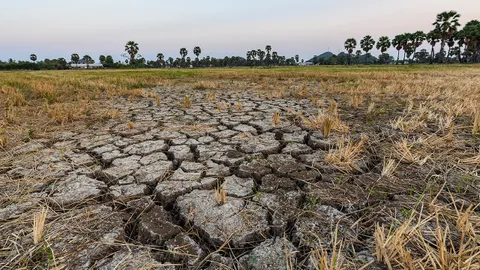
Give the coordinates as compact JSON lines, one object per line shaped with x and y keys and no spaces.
{"x":463,"y":44}
{"x":457,"y":45}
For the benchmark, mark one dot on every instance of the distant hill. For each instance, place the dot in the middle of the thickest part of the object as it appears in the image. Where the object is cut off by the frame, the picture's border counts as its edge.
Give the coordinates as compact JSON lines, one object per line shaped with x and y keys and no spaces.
{"x":324,"y":56}
{"x":328,"y":55}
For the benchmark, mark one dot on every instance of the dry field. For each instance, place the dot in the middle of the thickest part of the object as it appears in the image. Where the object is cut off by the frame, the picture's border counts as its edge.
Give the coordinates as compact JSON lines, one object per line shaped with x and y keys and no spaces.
{"x":283,"y":168}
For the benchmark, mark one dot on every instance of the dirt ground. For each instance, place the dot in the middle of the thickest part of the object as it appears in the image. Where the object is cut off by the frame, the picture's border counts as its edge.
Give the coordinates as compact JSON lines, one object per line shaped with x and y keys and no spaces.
{"x":307,"y":168}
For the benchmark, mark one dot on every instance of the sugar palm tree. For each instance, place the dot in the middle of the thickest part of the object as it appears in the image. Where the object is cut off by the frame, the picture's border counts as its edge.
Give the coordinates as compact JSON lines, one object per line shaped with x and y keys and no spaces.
{"x":268,"y":48}
{"x":132,"y":50}
{"x":433,"y":37}
{"x":197,"y":51}
{"x":367,"y":44}
{"x":33,"y":57}
{"x":160,"y":57}
{"x":460,"y":39}
{"x":406,"y":45}
{"x":447,"y":24}
{"x":183,"y":53}
{"x":75,"y":58}
{"x":350,"y":45}
{"x":383,"y":44}
{"x":297,"y":58}
{"x":274,"y":57}
{"x":397,"y":44}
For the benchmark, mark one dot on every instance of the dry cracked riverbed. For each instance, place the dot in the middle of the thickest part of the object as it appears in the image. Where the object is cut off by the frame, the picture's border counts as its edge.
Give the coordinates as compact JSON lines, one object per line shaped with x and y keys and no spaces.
{"x":139,"y":191}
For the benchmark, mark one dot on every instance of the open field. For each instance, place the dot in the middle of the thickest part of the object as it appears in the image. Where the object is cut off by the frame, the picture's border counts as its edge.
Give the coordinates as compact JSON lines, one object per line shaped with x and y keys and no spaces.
{"x":368,"y":167}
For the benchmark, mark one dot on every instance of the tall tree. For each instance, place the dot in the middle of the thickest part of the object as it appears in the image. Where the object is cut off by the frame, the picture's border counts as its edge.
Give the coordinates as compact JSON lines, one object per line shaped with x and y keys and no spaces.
{"x":75,"y":58}
{"x":397,"y":43}
{"x":160,"y":57}
{"x":407,"y":45}
{"x":350,"y":45}
{"x":183,"y":54}
{"x":471,"y":33}
{"x":447,"y":24}
{"x":367,"y":44}
{"x":418,"y":39}
{"x":433,"y":37}
{"x":275,"y":57}
{"x":297,"y":58}
{"x":87,"y":58}
{"x":109,"y":61}
{"x":33,"y":57}
{"x":197,"y":51}
{"x":383,"y":44}
{"x":102,"y":59}
{"x":132,"y":49}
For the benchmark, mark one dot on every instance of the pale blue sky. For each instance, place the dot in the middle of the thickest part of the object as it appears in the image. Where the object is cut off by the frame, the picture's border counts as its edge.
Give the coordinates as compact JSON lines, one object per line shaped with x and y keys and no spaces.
{"x":58,"y":28}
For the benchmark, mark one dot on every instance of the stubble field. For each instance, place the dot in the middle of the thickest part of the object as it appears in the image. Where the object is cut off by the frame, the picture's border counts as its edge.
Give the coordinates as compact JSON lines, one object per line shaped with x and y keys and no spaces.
{"x":282,"y":168}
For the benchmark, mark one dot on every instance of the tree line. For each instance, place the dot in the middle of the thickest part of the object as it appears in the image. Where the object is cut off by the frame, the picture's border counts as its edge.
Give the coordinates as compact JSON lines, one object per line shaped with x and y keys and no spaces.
{"x":134,"y":59}
{"x":456,"y":46}
{"x":463,"y":44}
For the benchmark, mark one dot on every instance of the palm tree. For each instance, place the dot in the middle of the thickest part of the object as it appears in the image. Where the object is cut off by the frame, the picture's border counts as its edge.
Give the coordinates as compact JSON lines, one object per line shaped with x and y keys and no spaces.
{"x":33,"y":57}
{"x":75,"y":58}
{"x":447,"y":24}
{"x":102,"y":59}
{"x":268,"y":48}
{"x":297,"y":58}
{"x":261,"y":55}
{"x":460,"y":38}
{"x":87,"y":58}
{"x":197,"y":51}
{"x":160,"y":57}
{"x":170,"y":61}
{"x":418,"y":39}
{"x":350,"y":45}
{"x":406,"y":45}
{"x":433,"y":37}
{"x":358,"y":53}
{"x":132,"y":49}
{"x":397,"y":43}
{"x":383,"y":44}
{"x":183,"y":53}
{"x":367,"y":44}
{"x":274,"y":57}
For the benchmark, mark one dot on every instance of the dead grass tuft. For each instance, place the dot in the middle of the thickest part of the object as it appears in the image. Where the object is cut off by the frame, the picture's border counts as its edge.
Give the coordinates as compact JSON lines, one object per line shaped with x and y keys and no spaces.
{"x":347,"y":155}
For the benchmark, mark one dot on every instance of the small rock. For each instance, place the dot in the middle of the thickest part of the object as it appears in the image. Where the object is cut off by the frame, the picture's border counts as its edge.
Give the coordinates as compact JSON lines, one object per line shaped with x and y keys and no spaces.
{"x":155,"y":227}
{"x":271,"y":254}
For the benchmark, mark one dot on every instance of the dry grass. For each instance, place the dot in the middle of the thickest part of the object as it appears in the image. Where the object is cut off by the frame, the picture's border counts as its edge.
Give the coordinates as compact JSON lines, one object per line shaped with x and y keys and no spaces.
{"x":327,"y":122}
{"x":39,"y":226}
{"x":130,"y":125}
{"x":405,"y":152}
{"x":346,"y":156}
{"x":276,"y":118}
{"x":428,"y":241}
{"x":187,"y":102}
{"x":476,"y":122}
{"x":221,"y":195}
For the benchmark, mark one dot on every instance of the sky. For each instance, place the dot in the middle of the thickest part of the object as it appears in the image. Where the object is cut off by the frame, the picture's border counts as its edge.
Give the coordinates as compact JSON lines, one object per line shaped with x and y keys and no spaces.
{"x":58,"y":28}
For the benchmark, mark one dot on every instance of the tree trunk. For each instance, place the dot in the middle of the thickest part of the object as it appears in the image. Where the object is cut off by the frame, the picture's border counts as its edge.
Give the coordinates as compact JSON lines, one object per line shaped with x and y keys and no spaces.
{"x":448,"y":53}
{"x":398,"y":56}
{"x":349,"y":59}
{"x":404,"y":54}
{"x":366,"y":57}
{"x":432,"y":56}
{"x":442,"y":50}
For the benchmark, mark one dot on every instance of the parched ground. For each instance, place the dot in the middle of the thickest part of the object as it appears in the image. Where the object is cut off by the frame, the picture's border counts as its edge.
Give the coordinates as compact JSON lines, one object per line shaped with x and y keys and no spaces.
{"x":277,"y":175}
